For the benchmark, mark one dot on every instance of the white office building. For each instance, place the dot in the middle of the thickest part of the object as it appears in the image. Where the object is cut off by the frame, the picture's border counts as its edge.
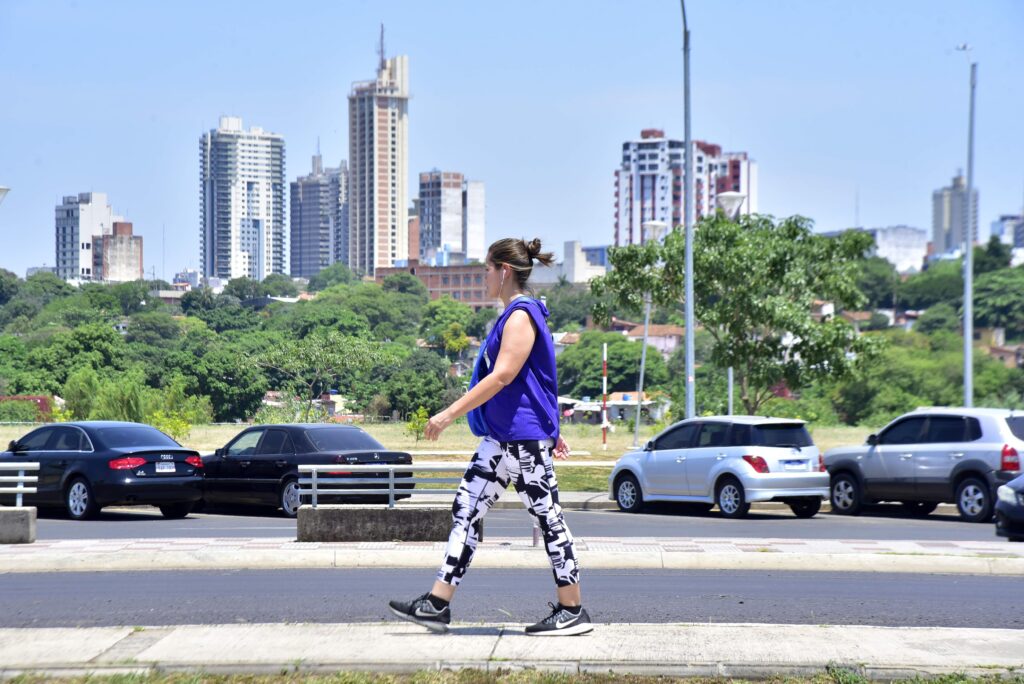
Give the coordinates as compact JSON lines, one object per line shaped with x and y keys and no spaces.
{"x":242,"y":202}
{"x":80,"y":220}
{"x":950,"y":216}
{"x":649,"y":183}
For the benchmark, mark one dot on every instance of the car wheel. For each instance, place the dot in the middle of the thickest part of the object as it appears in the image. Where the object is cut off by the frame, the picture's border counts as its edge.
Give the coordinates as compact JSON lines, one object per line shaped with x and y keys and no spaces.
{"x":628,"y":494}
{"x":918,"y":507}
{"x":176,"y":511}
{"x":805,"y":508}
{"x":974,"y":500}
{"x":845,"y":495}
{"x":731,"y":500}
{"x":79,"y":501}
{"x":288,"y":498}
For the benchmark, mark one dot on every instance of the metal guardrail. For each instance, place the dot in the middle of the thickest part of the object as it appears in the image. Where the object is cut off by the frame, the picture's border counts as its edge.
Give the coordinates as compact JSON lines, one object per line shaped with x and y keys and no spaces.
{"x":21,"y":479}
{"x":317,"y":484}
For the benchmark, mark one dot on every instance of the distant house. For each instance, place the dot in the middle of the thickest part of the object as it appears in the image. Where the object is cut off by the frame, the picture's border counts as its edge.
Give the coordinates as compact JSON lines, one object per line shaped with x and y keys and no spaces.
{"x":857,"y":318}
{"x":1011,"y":356}
{"x":664,"y":338}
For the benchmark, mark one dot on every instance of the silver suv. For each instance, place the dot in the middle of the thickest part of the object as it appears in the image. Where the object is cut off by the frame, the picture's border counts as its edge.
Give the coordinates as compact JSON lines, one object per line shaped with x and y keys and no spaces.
{"x":728,"y":461}
{"x":931,"y":456}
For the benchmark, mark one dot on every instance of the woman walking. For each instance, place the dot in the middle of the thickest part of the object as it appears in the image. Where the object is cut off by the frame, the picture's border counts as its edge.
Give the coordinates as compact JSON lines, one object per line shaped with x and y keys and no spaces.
{"x":512,"y":404}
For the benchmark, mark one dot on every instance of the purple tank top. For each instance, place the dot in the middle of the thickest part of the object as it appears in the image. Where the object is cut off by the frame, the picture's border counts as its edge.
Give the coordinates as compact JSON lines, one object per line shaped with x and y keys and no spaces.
{"x":527,"y":408}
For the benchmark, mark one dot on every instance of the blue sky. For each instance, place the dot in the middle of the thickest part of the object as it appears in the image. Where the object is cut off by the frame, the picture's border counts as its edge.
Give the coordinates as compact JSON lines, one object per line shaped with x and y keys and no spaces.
{"x":833,"y":99}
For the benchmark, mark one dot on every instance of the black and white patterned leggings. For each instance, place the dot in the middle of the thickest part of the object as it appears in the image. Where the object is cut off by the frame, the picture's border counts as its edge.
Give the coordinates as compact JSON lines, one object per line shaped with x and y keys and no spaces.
{"x":528,"y":465}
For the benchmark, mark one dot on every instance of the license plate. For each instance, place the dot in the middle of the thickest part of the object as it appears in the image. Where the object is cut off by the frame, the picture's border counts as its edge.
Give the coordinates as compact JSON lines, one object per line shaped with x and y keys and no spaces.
{"x":794,"y":465}
{"x":164,"y":467}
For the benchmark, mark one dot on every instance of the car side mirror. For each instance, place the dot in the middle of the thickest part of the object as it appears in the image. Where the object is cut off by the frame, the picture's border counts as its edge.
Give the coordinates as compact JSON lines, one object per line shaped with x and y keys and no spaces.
{"x":649,"y":446}
{"x":872,"y":440}
{"x":219,"y":452}
{"x":13,"y":446}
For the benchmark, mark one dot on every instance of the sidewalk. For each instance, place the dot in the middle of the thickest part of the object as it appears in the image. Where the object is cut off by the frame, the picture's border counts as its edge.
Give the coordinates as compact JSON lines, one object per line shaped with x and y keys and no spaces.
{"x":692,"y":650}
{"x":679,"y":553}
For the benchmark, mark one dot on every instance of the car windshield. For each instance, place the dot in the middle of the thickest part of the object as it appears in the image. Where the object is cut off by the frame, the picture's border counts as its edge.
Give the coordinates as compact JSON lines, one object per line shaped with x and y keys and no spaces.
{"x":1016,"y":424}
{"x":141,"y":436}
{"x":341,"y":439}
{"x":781,"y":435}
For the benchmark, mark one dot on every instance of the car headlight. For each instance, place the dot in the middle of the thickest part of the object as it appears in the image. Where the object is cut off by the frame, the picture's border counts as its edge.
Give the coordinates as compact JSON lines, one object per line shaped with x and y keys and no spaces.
{"x":1009,"y":496}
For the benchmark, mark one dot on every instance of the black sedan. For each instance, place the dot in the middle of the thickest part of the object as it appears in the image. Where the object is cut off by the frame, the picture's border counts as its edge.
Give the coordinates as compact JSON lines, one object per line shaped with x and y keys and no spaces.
{"x":88,"y":465}
{"x":260,"y":465}
{"x":1010,"y":510}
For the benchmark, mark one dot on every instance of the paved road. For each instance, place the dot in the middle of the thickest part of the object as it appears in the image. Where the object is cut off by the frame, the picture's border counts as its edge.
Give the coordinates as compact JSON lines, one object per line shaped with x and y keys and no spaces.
{"x":169,"y":598}
{"x":660,"y":521}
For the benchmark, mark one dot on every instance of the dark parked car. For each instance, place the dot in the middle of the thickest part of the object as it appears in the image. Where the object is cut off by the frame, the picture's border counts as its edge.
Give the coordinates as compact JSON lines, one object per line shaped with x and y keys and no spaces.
{"x":260,"y":465}
{"x":86,"y":466}
{"x":1010,"y":510}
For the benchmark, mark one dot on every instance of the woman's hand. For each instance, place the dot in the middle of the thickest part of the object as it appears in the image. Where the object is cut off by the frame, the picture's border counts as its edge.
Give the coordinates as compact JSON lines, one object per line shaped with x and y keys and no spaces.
{"x":561,"y":449}
{"x":437,"y":424}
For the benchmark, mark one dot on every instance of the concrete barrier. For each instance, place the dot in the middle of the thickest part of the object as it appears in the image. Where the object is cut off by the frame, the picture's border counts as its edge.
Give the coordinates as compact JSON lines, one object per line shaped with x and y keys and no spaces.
{"x":340,"y":523}
{"x":18,"y":524}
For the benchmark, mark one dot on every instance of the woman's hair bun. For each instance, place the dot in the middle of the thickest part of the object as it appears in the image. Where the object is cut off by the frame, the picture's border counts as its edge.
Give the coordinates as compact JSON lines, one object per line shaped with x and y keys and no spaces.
{"x":533,"y":248}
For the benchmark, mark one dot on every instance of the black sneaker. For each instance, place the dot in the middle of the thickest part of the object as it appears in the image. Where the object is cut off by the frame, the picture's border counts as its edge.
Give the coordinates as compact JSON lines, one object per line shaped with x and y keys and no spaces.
{"x":421,"y":611}
{"x":562,"y":622}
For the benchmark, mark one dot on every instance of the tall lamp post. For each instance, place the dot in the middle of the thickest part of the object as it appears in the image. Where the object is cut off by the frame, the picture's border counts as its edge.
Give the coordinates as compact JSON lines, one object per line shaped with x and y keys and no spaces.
{"x":688,"y":219}
{"x":730,"y":202}
{"x":653,"y":230}
{"x":969,"y":247}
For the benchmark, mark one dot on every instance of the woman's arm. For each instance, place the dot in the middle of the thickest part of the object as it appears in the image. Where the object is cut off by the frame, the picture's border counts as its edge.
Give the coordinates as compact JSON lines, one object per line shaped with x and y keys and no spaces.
{"x":516,"y":344}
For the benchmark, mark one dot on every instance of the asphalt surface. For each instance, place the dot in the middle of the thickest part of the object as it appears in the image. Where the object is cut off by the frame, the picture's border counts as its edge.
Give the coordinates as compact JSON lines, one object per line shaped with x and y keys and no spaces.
{"x":661,"y":596}
{"x":663,"y":520}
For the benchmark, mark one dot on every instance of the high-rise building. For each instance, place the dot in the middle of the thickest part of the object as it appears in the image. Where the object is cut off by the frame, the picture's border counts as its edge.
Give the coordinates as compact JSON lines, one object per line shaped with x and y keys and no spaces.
{"x":241,"y":204}
{"x":950,"y":216}
{"x":319,"y":219}
{"x":649,"y":182}
{"x":474,"y":220}
{"x":440,"y":210}
{"x":378,"y":123}
{"x":1009,"y":228}
{"x":117,"y":257}
{"x":452,"y":218}
{"x":79,"y":220}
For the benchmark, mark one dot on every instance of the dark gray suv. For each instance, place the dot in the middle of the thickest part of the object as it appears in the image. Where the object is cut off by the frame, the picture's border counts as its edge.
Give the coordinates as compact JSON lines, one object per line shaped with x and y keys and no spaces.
{"x":931,"y":456}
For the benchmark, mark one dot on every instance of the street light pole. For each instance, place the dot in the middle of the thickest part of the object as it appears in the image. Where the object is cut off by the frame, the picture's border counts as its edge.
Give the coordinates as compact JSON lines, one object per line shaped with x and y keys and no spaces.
{"x":688,"y":220}
{"x":969,"y":249}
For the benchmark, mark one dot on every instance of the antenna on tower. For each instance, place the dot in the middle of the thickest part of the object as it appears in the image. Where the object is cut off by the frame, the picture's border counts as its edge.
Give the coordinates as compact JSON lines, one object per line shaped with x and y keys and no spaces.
{"x":380,"y":50}
{"x":318,"y":145}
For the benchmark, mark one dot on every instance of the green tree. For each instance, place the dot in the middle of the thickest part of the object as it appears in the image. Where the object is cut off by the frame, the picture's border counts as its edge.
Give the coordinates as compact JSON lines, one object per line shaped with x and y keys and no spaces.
{"x":454,"y":339}
{"x":993,"y":257}
{"x":80,"y":392}
{"x":152,"y":328}
{"x":417,"y":423}
{"x":569,"y":306}
{"x":194,"y":302}
{"x":121,"y":397}
{"x":9,"y":284}
{"x":999,"y":300}
{"x":942,"y":282}
{"x":579,"y":366}
{"x":18,"y":411}
{"x":334,"y":274}
{"x":755,"y":281}
{"x":482,"y":318}
{"x":244,"y":288}
{"x":314,"y":363}
{"x":280,"y":285}
{"x":941,"y":316}
{"x":406,"y":283}
{"x":235,"y":388}
{"x":420,"y":380}
{"x":439,"y":316}
{"x":878,"y":281}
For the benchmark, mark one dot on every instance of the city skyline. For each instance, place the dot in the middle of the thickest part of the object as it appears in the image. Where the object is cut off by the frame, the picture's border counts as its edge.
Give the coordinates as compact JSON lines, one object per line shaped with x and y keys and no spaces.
{"x":864,"y":115}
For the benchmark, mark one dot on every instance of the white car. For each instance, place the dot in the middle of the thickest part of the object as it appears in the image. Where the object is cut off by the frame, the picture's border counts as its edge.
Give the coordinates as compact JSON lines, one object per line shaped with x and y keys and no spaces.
{"x":728,"y":461}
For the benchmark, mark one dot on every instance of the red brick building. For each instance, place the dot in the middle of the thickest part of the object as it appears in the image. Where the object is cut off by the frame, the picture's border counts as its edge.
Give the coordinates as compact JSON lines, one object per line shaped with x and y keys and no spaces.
{"x":463,"y":283}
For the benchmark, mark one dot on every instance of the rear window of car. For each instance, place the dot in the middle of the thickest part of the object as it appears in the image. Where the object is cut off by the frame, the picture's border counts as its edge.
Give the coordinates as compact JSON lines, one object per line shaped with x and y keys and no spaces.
{"x":141,"y":436}
{"x":341,"y":439}
{"x":1016,"y":424}
{"x":780,"y":435}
